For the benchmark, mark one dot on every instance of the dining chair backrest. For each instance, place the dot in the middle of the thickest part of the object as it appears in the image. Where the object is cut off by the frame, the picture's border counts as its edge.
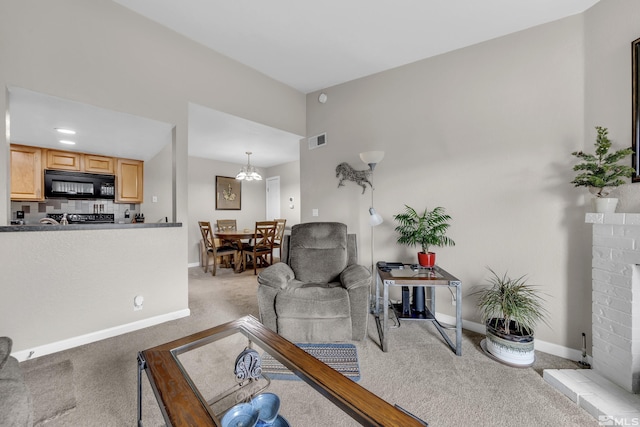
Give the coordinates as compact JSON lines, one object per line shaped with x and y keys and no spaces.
{"x":213,"y":246}
{"x":226,"y":225}
{"x":264,"y":235}
{"x":280,"y":223}
{"x":212,"y":243}
{"x":207,"y":234}
{"x":262,"y":246}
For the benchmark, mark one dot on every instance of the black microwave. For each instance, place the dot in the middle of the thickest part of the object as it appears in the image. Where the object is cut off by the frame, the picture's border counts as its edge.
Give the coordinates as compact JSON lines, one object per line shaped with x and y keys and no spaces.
{"x":78,"y":185}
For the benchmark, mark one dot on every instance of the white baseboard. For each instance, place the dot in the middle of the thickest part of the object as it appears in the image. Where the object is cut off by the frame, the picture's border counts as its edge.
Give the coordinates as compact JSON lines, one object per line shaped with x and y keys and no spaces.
{"x":193,"y":264}
{"x":546,"y":347}
{"x":543,"y":346}
{"x":97,"y":336}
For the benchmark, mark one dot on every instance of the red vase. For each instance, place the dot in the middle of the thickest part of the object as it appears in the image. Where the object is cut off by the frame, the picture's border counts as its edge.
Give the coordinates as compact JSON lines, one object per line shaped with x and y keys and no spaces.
{"x":427,"y":259}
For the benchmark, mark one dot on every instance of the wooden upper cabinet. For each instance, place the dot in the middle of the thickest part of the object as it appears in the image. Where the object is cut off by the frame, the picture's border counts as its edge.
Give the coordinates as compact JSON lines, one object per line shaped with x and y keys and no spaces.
{"x":71,"y":161}
{"x":98,"y":164}
{"x":129,"y":180}
{"x":26,"y":173}
{"x":28,"y":165}
{"x":64,"y":160}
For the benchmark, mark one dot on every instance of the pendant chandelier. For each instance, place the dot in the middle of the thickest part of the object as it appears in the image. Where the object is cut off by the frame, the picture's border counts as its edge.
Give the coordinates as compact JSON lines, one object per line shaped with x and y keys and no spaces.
{"x":248,"y":172}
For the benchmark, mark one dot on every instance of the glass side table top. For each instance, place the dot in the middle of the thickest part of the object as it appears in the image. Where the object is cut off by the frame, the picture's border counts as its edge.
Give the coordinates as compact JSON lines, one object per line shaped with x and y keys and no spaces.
{"x":419,"y":272}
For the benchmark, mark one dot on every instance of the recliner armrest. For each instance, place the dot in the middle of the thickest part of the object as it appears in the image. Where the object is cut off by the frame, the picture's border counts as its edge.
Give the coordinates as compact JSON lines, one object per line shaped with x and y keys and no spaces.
{"x":355,"y":276}
{"x":276,"y":276}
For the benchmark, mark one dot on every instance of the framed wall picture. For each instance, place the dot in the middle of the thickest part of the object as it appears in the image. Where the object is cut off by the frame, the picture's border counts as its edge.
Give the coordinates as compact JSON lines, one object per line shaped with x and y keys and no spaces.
{"x":228,"y":193}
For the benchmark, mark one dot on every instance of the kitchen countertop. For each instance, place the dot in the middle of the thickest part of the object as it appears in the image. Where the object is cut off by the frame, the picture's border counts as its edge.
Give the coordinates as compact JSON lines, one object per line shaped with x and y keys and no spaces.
{"x":51,"y":227}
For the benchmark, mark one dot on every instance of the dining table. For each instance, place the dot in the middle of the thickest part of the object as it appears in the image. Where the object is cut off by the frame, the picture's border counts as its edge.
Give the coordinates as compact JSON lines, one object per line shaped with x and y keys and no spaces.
{"x":235,"y":238}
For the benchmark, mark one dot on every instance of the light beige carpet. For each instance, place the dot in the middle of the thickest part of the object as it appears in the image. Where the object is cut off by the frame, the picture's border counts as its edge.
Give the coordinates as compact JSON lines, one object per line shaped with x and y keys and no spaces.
{"x":52,"y":388}
{"x":419,"y":373}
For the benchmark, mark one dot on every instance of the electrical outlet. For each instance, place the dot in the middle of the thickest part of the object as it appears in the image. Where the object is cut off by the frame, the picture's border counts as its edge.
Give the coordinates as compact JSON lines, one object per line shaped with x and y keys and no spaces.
{"x":314,"y":212}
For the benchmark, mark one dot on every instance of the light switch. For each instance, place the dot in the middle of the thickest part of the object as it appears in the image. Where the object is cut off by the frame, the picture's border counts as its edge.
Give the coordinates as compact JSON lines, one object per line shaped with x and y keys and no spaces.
{"x":154,"y":199}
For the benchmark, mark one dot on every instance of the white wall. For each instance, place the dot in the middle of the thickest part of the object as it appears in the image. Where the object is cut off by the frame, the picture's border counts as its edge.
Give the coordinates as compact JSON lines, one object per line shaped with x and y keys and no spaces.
{"x":612,"y":26}
{"x":158,"y":184}
{"x":289,"y":174}
{"x":485,"y":132}
{"x":102,"y":54}
{"x":59,"y":285}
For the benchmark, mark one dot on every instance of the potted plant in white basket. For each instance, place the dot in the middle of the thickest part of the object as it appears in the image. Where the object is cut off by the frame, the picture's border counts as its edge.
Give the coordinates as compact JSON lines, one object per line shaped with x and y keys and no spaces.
{"x":424,"y":230}
{"x":601,"y":172}
{"x":510,"y":310}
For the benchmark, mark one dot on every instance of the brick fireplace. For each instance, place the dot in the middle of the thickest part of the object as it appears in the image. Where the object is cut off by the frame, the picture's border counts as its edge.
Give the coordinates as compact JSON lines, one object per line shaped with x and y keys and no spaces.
{"x":608,"y":391}
{"x":616,"y":298}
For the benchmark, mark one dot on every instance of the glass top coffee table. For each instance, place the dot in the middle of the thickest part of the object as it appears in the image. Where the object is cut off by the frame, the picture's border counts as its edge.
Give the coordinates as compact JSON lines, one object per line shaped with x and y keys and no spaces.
{"x":198,"y":378}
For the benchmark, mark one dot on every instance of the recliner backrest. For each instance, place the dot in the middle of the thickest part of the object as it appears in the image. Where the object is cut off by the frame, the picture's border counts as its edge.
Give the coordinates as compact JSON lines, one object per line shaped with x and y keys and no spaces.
{"x":352,"y":249}
{"x":317,"y":251}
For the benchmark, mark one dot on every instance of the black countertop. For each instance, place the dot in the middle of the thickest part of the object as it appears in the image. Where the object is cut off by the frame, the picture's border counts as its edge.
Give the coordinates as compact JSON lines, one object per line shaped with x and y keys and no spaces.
{"x":51,"y":227}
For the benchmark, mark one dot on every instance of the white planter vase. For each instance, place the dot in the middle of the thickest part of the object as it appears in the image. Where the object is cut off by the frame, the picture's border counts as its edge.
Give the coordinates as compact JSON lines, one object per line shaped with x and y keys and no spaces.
{"x":512,"y":350}
{"x":605,"y":204}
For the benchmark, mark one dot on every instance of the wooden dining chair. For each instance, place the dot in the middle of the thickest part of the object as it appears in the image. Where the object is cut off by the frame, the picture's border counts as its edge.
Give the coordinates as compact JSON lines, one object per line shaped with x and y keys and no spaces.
{"x":213,"y":248}
{"x":261,"y":244}
{"x":277,"y":241}
{"x":226,"y":225}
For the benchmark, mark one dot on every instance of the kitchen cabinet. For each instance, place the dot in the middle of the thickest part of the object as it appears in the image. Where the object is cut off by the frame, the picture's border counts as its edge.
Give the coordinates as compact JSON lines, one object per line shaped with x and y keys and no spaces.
{"x":63,"y":160}
{"x":28,"y":165}
{"x":26,"y":173}
{"x":71,"y":161}
{"x":98,"y":164}
{"x":129,"y":180}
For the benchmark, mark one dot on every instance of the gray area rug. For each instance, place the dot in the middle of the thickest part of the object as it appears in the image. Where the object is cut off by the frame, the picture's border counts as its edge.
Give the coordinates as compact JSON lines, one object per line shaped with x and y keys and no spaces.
{"x":52,"y":389}
{"x":341,"y":357}
{"x":419,"y":373}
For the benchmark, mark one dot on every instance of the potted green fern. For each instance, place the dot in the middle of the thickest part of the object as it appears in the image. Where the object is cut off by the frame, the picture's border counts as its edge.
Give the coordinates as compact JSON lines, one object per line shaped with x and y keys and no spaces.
{"x":601,"y":172}
{"x":424,"y":230}
{"x":510,"y":309}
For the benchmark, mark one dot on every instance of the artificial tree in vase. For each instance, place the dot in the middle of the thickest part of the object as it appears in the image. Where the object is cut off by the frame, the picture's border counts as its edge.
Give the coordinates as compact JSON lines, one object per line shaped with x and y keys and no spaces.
{"x":601,"y":172}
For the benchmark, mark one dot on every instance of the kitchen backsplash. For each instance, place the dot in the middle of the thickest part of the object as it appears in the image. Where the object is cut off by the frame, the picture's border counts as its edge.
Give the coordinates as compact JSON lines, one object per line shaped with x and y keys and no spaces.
{"x":34,"y":211}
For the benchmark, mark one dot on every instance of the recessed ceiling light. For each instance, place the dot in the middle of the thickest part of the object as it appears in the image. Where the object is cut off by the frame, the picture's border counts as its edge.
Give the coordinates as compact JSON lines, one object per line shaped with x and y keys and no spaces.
{"x":64,"y":141}
{"x":66,"y":131}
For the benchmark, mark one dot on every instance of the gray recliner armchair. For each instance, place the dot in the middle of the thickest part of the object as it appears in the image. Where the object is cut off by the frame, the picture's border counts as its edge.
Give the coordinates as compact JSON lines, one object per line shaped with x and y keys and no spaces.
{"x":317,"y":293}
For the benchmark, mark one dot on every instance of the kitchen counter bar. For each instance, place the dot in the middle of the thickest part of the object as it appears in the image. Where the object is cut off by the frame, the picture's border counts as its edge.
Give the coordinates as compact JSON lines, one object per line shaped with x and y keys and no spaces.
{"x":50,"y":227}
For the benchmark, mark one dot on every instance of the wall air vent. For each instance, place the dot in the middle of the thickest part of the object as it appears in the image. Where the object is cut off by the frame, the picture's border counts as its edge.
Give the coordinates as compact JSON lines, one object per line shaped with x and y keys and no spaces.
{"x":318,"y":141}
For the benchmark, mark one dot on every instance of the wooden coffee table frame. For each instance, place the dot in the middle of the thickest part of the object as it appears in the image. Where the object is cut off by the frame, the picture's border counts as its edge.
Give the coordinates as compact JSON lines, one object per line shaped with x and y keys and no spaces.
{"x":182,"y":404}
